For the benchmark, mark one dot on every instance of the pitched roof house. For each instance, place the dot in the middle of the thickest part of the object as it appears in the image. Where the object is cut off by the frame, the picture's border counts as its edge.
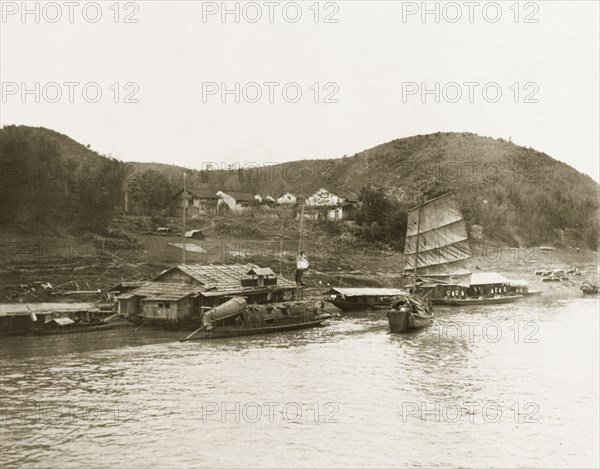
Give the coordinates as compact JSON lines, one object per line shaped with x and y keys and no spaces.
{"x":196,"y":201}
{"x":184,"y":290}
{"x":331,"y":206}
{"x":236,"y":201}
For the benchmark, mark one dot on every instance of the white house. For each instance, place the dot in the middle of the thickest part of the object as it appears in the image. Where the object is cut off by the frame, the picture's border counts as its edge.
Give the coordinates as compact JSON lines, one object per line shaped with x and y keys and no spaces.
{"x":323,"y":198}
{"x":236,"y":201}
{"x":333,"y":206}
{"x":287,"y":198}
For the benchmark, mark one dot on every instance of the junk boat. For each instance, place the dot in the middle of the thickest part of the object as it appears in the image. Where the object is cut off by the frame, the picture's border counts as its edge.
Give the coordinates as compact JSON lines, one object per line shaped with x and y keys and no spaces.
{"x":363,"y":299}
{"x":432,"y":230}
{"x":437,"y":236}
{"x":236,"y":318}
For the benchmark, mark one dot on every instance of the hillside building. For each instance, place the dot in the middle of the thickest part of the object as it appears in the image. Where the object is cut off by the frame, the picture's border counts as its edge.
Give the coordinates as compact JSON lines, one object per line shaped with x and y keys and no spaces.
{"x":327,"y":205}
{"x":237,"y":201}
{"x":197,"y":202}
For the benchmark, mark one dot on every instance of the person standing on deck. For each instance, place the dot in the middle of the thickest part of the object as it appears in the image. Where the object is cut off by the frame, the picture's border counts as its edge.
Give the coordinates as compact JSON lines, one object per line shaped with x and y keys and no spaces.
{"x":301,"y":266}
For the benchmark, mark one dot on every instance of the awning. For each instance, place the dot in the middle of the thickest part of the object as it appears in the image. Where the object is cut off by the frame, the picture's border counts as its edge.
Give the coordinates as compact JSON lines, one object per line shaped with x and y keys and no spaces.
{"x":487,"y":278}
{"x":349,"y":292}
{"x":518,"y":283}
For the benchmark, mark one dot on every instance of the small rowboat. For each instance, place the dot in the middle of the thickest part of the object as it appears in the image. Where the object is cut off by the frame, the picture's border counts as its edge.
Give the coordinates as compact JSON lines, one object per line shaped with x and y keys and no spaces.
{"x":588,"y":288}
{"x":410,"y":314}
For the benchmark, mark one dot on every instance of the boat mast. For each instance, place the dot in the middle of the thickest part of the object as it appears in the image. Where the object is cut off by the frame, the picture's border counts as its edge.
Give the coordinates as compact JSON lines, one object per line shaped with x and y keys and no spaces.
{"x":301,"y":240}
{"x":417,"y":251}
{"x":299,"y":290}
{"x":184,"y":198}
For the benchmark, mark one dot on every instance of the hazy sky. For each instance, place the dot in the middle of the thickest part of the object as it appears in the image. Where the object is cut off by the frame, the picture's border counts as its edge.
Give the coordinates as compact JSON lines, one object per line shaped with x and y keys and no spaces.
{"x":374,"y":59}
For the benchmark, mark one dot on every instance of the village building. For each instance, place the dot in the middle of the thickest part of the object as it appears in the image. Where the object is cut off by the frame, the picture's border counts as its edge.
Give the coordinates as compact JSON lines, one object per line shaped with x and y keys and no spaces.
{"x":265,"y":202}
{"x":185,"y":291}
{"x":197,"y":202}
{"x":236,"y":201}
{"x":287,"y":199}
{"x":268,"y":200}
{"x":326,"y":205}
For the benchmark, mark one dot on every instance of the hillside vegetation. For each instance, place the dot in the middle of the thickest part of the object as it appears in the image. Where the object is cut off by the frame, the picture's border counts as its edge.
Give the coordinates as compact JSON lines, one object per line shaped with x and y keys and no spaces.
{"x":49,"y":179}
{"x":517,"y":195}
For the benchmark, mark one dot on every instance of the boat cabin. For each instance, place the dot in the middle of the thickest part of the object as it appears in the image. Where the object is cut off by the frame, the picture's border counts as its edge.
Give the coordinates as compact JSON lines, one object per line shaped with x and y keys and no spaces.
{"x":486,"y":284}
{"x":349,"y":299}
{"x":518,"y":287}
{"x":437,"y":291}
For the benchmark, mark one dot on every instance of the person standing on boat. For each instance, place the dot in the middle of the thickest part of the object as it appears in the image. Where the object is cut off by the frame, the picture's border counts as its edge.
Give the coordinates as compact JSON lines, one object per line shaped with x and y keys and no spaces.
{"x":301,"y":266}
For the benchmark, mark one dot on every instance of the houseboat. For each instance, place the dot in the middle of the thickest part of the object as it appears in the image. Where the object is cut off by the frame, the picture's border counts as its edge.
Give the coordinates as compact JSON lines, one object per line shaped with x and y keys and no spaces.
{"x":178,"y":297}
{"x":485,"y":288}
{"x":56,"y":318}
{"x":236,"y":318}
{"x":363,"y":299}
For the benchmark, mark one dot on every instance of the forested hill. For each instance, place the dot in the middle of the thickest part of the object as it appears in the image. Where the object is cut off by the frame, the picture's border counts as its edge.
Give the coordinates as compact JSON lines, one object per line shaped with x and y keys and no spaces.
{"x":518,"y":195}
{"x":48,"y":178}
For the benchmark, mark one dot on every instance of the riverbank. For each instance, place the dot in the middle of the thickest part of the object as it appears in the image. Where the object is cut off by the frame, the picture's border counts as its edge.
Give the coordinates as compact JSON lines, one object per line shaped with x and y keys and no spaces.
{"x":69,"y":263}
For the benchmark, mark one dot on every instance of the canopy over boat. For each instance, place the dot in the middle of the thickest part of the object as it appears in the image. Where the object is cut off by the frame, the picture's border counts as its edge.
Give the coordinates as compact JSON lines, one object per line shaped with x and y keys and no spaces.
{"x":442,"y":253}
{"x":518,"y":283}
{"x":493,"y":278}
{"x":226,"y":310}
{"x":351,"y":292}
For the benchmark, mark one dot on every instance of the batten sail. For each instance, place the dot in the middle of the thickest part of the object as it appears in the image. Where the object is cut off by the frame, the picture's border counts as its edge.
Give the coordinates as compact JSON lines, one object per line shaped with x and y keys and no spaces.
{"x":443,"y":253}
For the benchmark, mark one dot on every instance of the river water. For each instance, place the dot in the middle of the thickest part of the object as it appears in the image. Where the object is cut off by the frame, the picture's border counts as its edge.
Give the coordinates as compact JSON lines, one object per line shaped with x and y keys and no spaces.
{"x":504,"y":386}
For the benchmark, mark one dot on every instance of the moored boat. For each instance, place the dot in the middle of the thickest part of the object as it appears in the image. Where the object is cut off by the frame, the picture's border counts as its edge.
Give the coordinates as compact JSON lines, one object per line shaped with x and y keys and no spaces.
{"x":363,"y":299}
{"x":56,"y":318}
{"x":236,"y":318}
{"x":438,"y":254}
{"x":409,"y":314}
{"x":70,"y":326}
{"x":469,"y":301}
{"x":589,"y":288}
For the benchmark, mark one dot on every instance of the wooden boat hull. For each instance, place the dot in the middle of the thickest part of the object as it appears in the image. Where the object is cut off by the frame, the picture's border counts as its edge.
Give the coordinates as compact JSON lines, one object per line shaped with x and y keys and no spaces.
{"x":497,"y":300}
{"x":533,"y":293}
{"x":406,"y":321}
{"x":229,"y":332}
{"x":82,"y":328}
{"x":589,"y":288}
{"x":187,"y":324}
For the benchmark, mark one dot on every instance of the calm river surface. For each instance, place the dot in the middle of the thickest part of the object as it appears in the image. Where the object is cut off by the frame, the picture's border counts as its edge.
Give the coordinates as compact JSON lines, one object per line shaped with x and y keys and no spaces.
{"x":511,"y":385}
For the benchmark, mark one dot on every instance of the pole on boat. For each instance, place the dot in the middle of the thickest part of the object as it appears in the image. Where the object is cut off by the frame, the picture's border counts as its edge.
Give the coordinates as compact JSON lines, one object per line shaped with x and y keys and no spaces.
{"x":280,"y":254}
{"x":417,"y":251}
{"x":301,"y":240}
{"x":299,"y":290}
{"x":184,"y":210}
